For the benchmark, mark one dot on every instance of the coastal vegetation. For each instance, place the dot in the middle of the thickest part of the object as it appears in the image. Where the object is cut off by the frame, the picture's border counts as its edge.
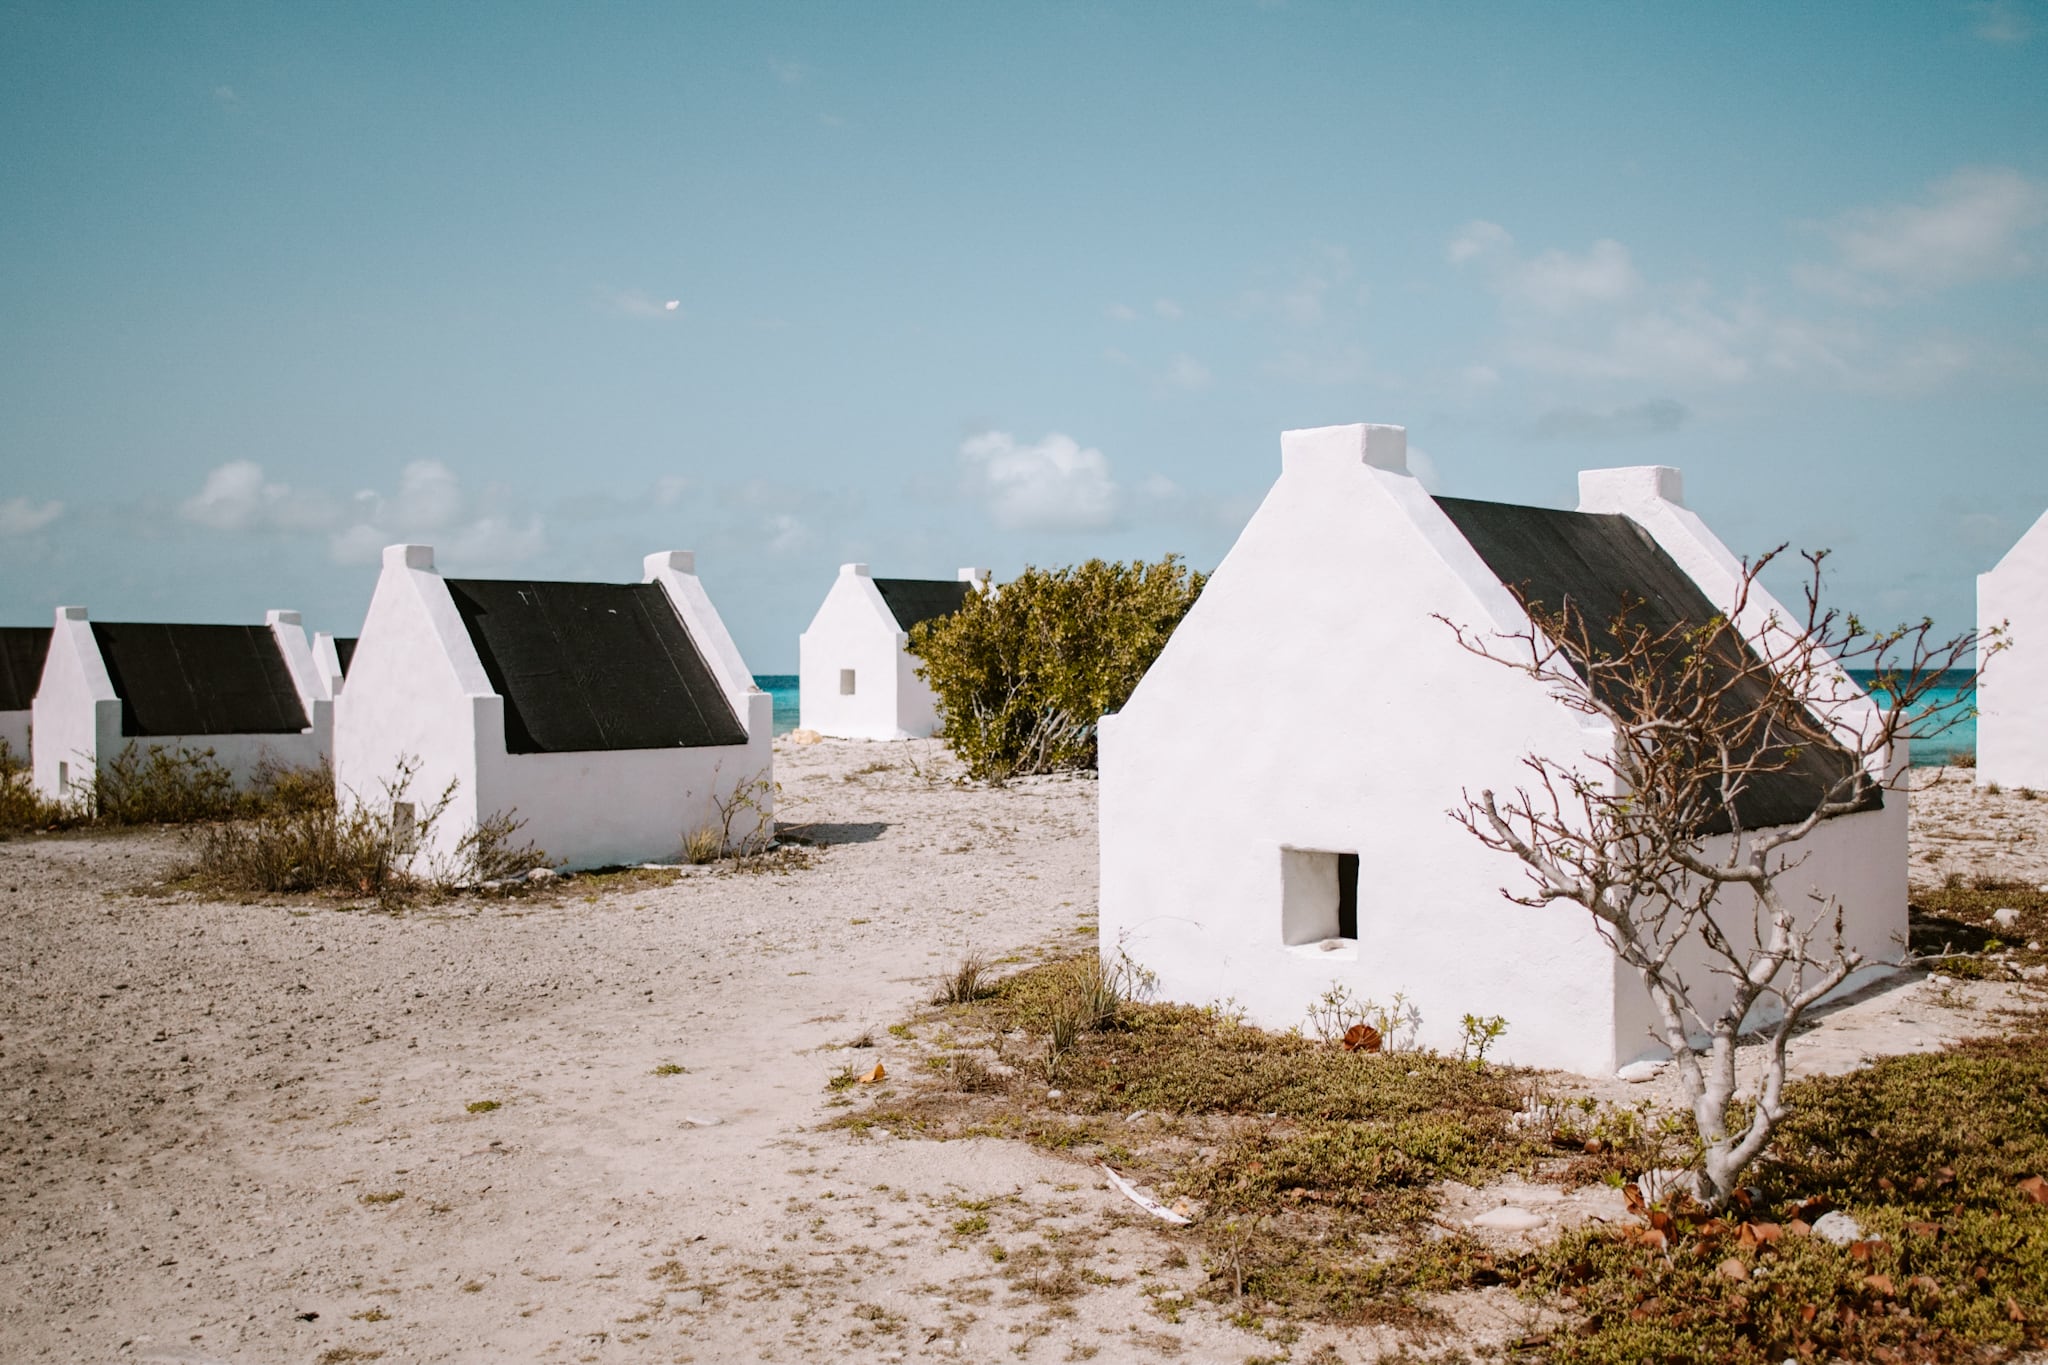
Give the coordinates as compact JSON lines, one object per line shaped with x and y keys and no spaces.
{"x":1315,"y":1180}
{"x":1024,"y":673}
{"x":155,"y":785}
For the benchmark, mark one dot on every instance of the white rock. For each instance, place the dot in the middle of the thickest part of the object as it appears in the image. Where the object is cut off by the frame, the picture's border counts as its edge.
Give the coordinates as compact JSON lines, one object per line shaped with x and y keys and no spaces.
{"x":1839,"y":1228}
{"x":1508,"y":1218}
{"x":1054,"y":1094}
{"x":1635,"y":1073}
{"x":2005,"y":917}
{"x":541,"y":874}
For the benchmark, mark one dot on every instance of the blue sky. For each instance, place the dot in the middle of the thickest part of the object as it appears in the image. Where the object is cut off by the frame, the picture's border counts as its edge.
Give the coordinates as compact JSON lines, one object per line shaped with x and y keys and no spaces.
{"x":992,"y":284}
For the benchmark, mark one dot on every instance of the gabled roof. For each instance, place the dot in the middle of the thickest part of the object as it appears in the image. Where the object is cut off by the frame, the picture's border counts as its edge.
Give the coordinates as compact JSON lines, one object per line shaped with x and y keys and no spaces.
{"x":21,"y":665}
{"x":913,"y":600}
{"x":344,"y":651}
{"x":593,"y":666}
{"x":199,"y":680}
{"x":1599,"y":562}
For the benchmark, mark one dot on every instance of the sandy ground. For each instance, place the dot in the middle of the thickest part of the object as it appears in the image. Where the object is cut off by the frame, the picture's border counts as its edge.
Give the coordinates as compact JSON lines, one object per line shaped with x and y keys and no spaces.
{"x":244,"y":1132}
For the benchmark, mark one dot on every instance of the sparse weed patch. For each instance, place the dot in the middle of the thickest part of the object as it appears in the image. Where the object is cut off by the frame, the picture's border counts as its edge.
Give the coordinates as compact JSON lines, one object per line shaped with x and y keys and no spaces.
{"x":481,"y":1106}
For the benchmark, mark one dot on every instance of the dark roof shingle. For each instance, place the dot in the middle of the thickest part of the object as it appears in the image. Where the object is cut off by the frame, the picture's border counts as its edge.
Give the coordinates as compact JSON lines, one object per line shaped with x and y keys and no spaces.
{"x":1599,"y":562}
{"x":914,"y":600}
{"x":593,"y":666}
{"x":22,"y":649}
{"x":199,"y":680}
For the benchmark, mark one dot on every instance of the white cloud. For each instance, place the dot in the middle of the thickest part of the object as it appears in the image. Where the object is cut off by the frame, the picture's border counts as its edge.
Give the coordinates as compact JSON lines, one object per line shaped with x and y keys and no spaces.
{"x":430,"y":503}
{"x":633,"y":303}
{"x":237,"y":497}
{"x":1477,"y":238}
{"x":1120,"y":312}
{"x":1976,"y":224}
{"x":786,"y":533}
{"x":1055,"y":484}
{"x":20,"y":517}
{"x":1186,"y":372}
{"x":1554,"y":281}
{"x":2002,"y":22}
{"x":1168,"y":309}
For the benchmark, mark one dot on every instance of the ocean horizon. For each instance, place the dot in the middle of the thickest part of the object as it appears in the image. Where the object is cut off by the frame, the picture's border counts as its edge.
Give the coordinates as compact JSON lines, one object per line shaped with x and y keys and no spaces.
{"x":1955,"y":711}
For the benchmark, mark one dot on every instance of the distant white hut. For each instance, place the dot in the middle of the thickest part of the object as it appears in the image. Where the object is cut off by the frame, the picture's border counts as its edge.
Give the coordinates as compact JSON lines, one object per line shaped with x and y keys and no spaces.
{"x":331,"y":654}
{"x":612,"y":718}
{"x":2012,"y":696}
{"x":856,"y":677}
{"x":1274,"y":795}
{"x":248,"y":693}
{"x":22,"y":649}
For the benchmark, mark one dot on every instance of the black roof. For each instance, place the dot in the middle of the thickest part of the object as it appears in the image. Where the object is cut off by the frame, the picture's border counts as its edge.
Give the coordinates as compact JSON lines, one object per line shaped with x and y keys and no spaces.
{"x":912,"y":600}
{"x":21,"y":665}
{"x":589,"y":666}
{"x":1598,"y":563}
{"x":345,"y":651}
{"x":199,"y":680}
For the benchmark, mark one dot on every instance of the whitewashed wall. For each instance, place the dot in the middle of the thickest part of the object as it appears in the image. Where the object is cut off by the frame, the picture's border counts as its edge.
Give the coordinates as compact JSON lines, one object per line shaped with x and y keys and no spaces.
{"x":1311,"y":701}
{"x":417,"y":690}
{"x":327,"y":664}
{"x":77,"y":714}
{"x":2012,"y":694}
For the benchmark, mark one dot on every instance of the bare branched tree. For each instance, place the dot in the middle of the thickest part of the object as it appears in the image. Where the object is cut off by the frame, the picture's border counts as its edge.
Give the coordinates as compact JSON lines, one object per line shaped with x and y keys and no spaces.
{"x":1729,"y":748}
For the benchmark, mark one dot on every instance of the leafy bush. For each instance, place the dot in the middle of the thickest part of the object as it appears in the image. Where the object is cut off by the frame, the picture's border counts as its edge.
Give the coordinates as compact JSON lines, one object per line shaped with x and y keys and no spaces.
{"x":154,"y":785}
{"x":1023,"y":674}
{"x":20,"y":806}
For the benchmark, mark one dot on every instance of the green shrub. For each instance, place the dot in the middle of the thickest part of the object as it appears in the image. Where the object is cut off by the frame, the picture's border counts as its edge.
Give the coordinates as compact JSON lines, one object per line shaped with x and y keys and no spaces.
{"x":20,"y":806}
{"x":152,"y":785}
{"x":1023,"y":674}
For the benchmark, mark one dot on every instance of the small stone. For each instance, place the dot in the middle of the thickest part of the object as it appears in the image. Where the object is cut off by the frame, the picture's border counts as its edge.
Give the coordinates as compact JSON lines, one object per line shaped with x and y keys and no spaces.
{"x":2005,"y":917}
{"x":1136,"y":1115}
{"x":1508,"y":1218}
{"x":805,"y":737}
{"x":1054,"y":1094}
{"x":541,"y":874}
{"x":703,"y":1121}
{"x":1839,"y":1228}
{"x":1635,"y":1073}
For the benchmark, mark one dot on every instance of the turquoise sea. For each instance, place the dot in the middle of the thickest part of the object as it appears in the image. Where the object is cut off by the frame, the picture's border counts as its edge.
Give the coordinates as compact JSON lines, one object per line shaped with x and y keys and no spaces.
{"x":1951,"y":699}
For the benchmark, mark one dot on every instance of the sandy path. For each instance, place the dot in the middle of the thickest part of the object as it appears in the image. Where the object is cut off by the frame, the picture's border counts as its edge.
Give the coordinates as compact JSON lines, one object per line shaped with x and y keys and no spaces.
{"x":199,"y":1098}
{"x":198,"y":1102}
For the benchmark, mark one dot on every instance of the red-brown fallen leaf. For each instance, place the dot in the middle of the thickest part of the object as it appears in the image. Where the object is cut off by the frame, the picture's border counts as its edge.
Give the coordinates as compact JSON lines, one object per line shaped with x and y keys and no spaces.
{"x":873,"y":1074}
{"x":1926,"y":1284}
{"x":1879,"y":1284}
{"x":1808,"y":1312}
{"x":2035,"y":1188}
{"x":1864,"y":1250}
{"x":1632,"y":1195}
{"x":1647,"y":1309}
{"x":2012,"y":1310}
{"x":1661,"y":1221}
{"x":1594,"y":1146}
{"x":1753,"y":1235}
{"x":1924,"y":1229}
{"x":1361,"y":1038}
{"x":1799,"y":1227}
{"x":1732,"y":1269}
{"x":1945,"y":1176}
{"x":1884,"y":1182}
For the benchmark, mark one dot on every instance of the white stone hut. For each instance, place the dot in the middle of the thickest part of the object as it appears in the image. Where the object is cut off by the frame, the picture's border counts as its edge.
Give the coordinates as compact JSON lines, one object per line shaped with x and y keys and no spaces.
{"x":331,"y":654}
{"x":612,"y":718}
{"x":248,"y":693}
{"x":1274,"y":795}
{"x":856,"y":676}
{"x":2012,"y":697}
{"x":22,"y":649}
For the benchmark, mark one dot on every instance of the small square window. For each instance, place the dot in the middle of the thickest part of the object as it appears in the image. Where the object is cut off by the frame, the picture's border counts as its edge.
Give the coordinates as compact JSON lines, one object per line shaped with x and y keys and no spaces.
{"x":63,"y":776}
{"x":845,"y":682}
{"x":1318,"y":896}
